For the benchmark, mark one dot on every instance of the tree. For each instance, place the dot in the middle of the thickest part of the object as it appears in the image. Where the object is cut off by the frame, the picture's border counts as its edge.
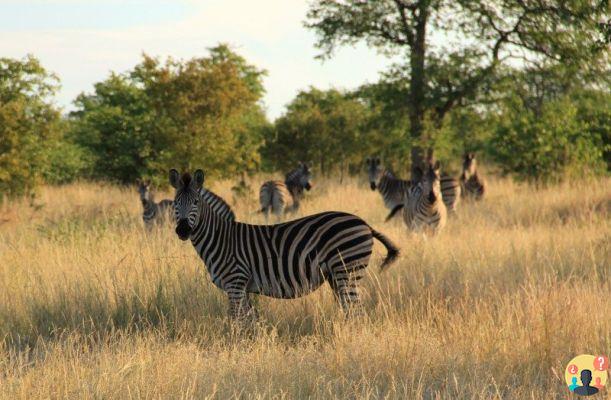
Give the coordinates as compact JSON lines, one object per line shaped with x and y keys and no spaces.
{"x":325,"y":128}
{"x":29,"y":124}
{"x":489,"y":33}
{"x":202,"y":112}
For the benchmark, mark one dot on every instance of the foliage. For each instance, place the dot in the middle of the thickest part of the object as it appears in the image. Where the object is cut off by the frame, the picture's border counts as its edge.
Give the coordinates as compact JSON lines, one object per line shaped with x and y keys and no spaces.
{"x":552,"y":144}
{"x":445,"y":74}
{"x":325,"y":128}
{"x":182,"y":114}
{"x":29,"y":124}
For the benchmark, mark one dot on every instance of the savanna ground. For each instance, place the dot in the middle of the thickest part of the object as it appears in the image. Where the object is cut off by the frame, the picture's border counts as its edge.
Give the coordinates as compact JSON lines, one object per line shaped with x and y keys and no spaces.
{"x":494,"y":307}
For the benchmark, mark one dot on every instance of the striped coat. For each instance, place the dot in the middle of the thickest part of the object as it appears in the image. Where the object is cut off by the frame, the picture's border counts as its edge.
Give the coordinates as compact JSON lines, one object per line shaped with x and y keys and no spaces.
{"x":424,"y":208}
{"x":282,"y":197}
{"x":286,"y":260}
{"x":390,"y":187}
{"x":152,"y":213}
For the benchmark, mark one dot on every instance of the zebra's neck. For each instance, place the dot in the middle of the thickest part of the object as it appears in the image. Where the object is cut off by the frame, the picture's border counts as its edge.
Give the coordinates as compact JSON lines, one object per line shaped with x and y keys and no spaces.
{"x":211,"y":238}
{"x":149,"y":206}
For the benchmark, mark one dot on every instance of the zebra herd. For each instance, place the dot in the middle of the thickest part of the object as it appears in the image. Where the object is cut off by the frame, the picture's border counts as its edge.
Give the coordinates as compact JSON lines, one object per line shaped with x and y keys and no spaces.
{"x":291,"y":259}
{"x":429,"y":197}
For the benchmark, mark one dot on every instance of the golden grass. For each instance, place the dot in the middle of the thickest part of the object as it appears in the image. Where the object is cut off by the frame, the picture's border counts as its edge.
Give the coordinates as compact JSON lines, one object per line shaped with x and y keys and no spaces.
{"x":494,"y":307}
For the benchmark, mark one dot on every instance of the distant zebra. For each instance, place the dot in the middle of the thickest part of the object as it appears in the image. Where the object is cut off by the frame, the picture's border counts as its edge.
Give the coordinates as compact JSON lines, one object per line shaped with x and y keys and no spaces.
{"x":390,"y":187}
{"x":153,"y":213}
{"x":281,"y":197}
{"x":473,"y":186}
{"x":425,"y":210}
{"x":450,"y":192}
{"x":286,"y":260}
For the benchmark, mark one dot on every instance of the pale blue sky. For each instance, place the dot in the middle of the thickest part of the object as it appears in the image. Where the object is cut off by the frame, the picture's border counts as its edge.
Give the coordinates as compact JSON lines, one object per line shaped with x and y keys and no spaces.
{"x":82,"y":41}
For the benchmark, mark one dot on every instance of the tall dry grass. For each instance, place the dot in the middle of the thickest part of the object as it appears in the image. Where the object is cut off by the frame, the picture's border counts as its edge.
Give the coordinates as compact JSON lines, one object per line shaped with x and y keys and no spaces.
{"x":494,"y":307}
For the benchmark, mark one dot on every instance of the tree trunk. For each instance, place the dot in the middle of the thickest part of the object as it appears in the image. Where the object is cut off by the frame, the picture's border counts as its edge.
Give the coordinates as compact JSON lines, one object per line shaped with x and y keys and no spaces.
{"x":417,"y":85}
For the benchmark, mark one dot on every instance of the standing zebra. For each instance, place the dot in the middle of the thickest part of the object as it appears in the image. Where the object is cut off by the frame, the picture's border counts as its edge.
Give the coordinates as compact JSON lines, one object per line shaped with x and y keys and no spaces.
{"x":424,"y":208}
{"x":390,"y":187}
{"x":473,"y":186}
{"x":153,"y":213}
{"x":285,"y":196}
{"x":286,"y":260}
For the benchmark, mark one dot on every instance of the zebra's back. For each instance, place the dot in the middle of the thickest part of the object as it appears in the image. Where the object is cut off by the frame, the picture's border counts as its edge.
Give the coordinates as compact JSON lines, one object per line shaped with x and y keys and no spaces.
{"x":275,"y":196}
{"x":392,"y":190}
{"x":294,"y":258}
{"x":450,"y":192}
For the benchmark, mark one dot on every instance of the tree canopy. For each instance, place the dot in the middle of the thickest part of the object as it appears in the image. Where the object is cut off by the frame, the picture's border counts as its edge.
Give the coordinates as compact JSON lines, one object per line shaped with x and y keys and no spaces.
{"x":453,"y":49}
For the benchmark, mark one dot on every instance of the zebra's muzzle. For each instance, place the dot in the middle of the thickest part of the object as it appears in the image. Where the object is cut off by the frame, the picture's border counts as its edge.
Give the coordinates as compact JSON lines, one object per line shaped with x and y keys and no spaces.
{"x":308,"y":186}
{"x":373,"y":185}
{"x":183,"y":230}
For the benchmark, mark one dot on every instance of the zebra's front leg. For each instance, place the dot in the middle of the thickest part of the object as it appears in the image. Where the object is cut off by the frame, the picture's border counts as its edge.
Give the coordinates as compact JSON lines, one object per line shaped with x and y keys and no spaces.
{"x":240,"y":307}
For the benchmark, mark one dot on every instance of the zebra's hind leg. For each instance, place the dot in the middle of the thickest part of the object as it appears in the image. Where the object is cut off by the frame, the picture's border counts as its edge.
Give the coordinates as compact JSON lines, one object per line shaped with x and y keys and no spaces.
{"x":344,"y":281}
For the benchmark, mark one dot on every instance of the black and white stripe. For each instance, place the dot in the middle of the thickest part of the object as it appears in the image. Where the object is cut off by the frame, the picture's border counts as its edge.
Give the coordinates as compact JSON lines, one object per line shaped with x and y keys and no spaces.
{"x":281,"y":197}
{"x":450,"y":192}
{"x":286,"y":260}
{"x":425,"y":209}
{"x":390,"y":187}
{"x":152,"y":213}
{"x":473,"y":186}
{"x":217,"y":204}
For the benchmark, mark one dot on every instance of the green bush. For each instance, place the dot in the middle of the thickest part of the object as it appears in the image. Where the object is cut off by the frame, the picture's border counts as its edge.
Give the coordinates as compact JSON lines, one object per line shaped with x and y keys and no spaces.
{"x":547,"y":146}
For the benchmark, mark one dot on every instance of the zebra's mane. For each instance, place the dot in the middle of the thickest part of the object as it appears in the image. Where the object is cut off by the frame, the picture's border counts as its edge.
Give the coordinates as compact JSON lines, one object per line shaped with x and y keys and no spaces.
{"x":186,"y":179}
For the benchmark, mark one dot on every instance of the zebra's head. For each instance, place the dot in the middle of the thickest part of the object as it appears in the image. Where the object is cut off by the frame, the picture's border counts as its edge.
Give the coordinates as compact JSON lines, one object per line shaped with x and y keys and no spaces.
{"x":429,"y":180}
{"x":469,"y":165}
{"x":374,"y":171}
{"x":144,"y":189}
{"x":305,"y":178}
{"x":186,"y":200}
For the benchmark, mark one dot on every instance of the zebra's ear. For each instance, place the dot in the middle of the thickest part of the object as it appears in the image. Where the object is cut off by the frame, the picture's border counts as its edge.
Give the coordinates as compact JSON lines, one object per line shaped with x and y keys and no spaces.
{"x":174,"y":178}
{"x":138,"y":181}
{"x":199,"y":178}
{"x":437,"y":166}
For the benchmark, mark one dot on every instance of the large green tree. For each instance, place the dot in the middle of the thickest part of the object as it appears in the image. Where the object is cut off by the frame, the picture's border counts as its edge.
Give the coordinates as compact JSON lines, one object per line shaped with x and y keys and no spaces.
{"x":453,"y":49}
{"x":29,"y":124}
{"x":202,"y":112}
{"x":326,"y":128}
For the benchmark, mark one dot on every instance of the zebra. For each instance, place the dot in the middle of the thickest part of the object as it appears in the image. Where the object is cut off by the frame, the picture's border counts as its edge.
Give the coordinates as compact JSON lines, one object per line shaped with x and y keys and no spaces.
{"x":153,"y":213}
{"x":473,"y":186}
{"x":425,"y":209}
{"x":285,"y":196}
{"x":390,"y":187}
{"x":286,"y":260}
{"x":217,"y":204}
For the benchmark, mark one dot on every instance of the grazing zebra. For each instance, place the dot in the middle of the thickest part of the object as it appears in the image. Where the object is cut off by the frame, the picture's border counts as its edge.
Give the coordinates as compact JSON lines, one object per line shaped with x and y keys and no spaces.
{"x":473,"y":186}
{"x":281,"y":197}
{"x":285,"y":260}
{"x":390,"y":187}
{"x":425,"y":209}
{"x":153,"y":213}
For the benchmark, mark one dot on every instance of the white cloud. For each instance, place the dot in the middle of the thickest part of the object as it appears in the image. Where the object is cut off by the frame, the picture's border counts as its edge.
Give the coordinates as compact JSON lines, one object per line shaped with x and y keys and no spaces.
{"x":269,"y":33}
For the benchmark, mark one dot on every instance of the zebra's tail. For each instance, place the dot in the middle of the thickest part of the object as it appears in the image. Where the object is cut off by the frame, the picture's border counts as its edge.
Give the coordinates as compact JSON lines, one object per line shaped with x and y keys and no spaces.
{"x":393,"y":250}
